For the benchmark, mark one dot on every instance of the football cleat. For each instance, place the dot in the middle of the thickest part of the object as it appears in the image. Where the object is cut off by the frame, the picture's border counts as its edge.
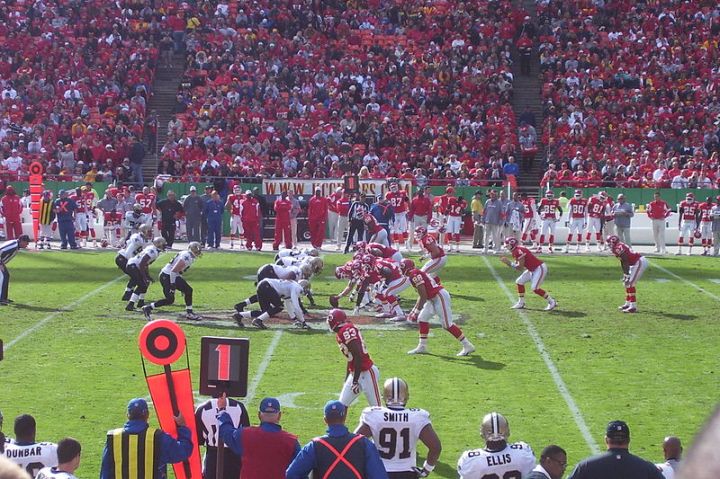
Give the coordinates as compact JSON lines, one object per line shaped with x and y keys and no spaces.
{"x":239,"y":307}
{"x":238,"y":320}
{"x":141,"y":303}
{"x":130,"y":307}
{"x":518,"y":305}
{"x":398,"y":319}
{"x":258,"y":323}
{"x":146,"y":311}
{"x":396,"y":393}
{"x":552,"y":304}
{"x":631,"y":309}
{"x":301,"y":324}
{"x":385,"y":315}
{"x":421,"y":349}
{"x":623,"y":307}
{"x":190,"y":315}
{"x":466,"y":351}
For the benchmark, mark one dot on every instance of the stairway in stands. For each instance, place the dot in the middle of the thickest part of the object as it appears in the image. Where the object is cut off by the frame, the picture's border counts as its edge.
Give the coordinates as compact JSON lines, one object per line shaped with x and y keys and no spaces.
{"x":527,"y":92}
{"x":165,"y":88}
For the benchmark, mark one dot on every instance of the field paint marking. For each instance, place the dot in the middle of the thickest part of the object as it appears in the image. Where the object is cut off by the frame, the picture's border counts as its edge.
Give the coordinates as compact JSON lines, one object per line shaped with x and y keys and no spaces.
{"x":662,"y":280}
{"x":64,"y":309}
{"x":689,"y":283}
{"x":263,"y":366}
{"x":714,"y":280}
{"x":562,"y":387}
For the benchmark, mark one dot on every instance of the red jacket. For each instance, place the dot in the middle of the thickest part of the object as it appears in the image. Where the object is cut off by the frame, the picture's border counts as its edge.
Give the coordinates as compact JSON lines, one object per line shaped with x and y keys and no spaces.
{"x":658,"y":210}
{"x":11,"y":207}
{"x":282,"y":211}
{"x":266,"y":454}
{"x":318,"y":208}
{"x":251,"y":210}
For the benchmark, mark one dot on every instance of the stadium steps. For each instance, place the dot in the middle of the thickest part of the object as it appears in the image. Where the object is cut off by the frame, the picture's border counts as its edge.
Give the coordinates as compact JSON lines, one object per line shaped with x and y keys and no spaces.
{"x":165,"y":88}
{"x":527,"y":92}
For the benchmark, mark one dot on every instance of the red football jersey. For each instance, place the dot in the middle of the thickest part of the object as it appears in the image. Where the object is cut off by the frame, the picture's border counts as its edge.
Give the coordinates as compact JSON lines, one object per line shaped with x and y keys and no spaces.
{"x":689,"y":209}
{"x":531,"y":261}
{"x":389,"y":270}
{"x":705,"y":212}
{"x":387,"y":251}
{"x":529,"y":204}
{"x":346,"y":335}
{"x":548,"y":208}
{"x":235,"y":202}
{"x":578,"y":207}
{"x":428,"y":240}
{"x":399,"y":200}
{"x":112,"y":217}
{"x":146,"y":201}
{"x":81,"y":207}
{"x":417,"y":277}
{"x":621,"y":248}
{"x":609,"y":203}
{"x":456,"y":207}
{"x":89,"y":199}
{"x":595,"y":207}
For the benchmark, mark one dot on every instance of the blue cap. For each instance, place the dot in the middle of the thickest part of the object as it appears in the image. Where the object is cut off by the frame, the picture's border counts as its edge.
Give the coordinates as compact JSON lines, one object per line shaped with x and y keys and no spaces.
{"x":270,"y":405}
{"x":137,"y":406}
{"x":334,"y":410}
{"x":618,"y":430}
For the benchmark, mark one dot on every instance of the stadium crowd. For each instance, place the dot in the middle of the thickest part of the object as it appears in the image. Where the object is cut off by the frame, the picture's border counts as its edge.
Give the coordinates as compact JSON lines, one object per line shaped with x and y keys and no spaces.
{"x":630,"y":92}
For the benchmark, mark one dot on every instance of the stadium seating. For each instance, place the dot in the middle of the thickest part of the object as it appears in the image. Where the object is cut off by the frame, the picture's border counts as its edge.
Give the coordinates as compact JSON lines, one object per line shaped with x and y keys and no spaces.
{"x":630,"y":91}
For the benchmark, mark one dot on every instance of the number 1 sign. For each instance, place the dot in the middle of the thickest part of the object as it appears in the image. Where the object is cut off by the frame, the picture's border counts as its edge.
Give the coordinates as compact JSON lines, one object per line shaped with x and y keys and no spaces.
{"x":224,"y":366}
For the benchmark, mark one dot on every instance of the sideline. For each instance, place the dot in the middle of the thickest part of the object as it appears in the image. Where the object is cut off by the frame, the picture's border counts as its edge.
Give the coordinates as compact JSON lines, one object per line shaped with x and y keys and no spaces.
{"x":689,"y":283}
{"x":562,"y":387}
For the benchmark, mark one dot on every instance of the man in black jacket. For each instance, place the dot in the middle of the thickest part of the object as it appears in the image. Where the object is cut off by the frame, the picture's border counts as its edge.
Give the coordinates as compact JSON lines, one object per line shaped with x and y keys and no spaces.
{"x":8,"y":250}
{"x":169,"y":208}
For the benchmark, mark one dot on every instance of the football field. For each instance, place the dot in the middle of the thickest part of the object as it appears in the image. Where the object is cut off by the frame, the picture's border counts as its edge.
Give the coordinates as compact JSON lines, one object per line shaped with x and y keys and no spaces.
{"x":72,"y":360}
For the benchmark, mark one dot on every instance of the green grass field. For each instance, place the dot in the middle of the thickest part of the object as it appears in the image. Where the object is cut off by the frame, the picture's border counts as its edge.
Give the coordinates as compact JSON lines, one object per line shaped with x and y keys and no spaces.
{"x":75,"y":370}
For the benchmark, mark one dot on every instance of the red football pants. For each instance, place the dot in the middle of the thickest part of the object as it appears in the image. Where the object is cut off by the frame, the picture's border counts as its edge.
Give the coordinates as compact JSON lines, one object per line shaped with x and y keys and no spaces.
{"x":13,"y":229}
{"x":252,"y":234}
{"x":282,"y":229}
{"x":317,"y":233}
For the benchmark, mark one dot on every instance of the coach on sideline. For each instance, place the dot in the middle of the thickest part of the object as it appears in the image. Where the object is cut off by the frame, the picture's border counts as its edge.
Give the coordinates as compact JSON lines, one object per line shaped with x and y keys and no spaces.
{"x":266,"y":450}
{"x":338,"y":454}
{"x":8,"y":250}
{"x":148,"y":455}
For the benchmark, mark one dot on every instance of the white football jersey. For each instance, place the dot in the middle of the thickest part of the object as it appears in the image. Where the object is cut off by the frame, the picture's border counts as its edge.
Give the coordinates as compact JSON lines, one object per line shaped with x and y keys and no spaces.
{"x":667,"y":470}
{"x":135,"y":243}
{"x":32,"y":457}
{"x":287,"y":261}
{"x":134,"y":223}
{"x":286,"y":272}
{"x":513,"y":462}
{"x":184,"y":256}
{"x":395,"y":433}
{"x":150,"y":251}
{"x":53,"y":473}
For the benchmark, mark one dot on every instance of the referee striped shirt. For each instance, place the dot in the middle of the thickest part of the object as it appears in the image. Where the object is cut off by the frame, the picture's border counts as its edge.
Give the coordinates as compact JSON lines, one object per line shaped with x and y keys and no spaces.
{"x":8,"y":250}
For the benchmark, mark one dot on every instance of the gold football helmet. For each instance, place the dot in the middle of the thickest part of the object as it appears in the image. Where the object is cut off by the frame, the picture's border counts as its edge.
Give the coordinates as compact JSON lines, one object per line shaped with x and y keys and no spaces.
{"x":195,"y":248}
{"x":395,"y":392}
{"x":159,"y":242}
{"x":494,"y":428}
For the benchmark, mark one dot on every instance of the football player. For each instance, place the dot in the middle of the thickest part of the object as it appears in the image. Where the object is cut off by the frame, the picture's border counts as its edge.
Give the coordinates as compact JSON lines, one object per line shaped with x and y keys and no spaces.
{"x":362,"y":375}
{"x":706,"y":225}
{"x":395,"y":283}
{"x":438,"y":259}
{"x":68,"y":453}
{"x":147,"y":199}
{"x":595,"y":211}
{"x":135,"y":243}
{"x":633,"y":266}
{"x":135,"y":218}
{"x":274,"y":295}
{"x":382,"y":251}
{"x":376,"y":233}
{"x":138,"y":270}
{"x":578,"y":212}
{"x":433,"y":300}
{"x":689,"y":216}
{"x":400,"y":202}
{"x":456,"y":207}
{"x":533,"y":270}
{"x":550,"y":212}
{"x":497,"y":458}
{"x":31,"y":456}
{"x":171,"y":279}
{"x":530,"y":224}
{"x":395,"y":430}
{"x":234,"y":205}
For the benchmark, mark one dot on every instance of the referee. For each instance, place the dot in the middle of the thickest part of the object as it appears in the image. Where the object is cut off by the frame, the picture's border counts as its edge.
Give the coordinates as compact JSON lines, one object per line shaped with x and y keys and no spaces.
{"x":8,"y":250}
{"x":207,"y":434}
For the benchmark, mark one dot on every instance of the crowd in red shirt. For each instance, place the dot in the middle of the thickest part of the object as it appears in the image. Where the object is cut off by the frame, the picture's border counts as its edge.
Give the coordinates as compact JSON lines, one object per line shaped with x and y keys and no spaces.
{"x":630,"y":88}
{"x":315,"y":89}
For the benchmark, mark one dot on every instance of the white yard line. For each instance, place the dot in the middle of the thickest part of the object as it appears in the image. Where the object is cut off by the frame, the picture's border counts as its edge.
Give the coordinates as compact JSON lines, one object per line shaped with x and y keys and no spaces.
{"x":559,"y":382}
{"x":263,"y":366}
{"x":64,"y":309}
{"x":689,"y":283}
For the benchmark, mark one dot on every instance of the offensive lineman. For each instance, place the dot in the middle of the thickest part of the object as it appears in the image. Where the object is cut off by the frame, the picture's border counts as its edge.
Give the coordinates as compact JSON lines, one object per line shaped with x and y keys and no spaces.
{"x":362,"y":374}
{"x":633,"y":266}
{"x":534,"y":272}
{"x":135,"y":243}
{"x":577,"y":207}
{"x":273,"y":295}
{"x":171,"y":279}
{"x":497,"y":458}
{"x":395,"y":430}
{"x":138,"y":270}
{"x":432,"y":300}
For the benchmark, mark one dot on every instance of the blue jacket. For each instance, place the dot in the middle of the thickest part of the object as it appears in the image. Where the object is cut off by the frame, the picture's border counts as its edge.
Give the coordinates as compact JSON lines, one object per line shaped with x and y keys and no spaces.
{"x":171,"y":451}
{"x":214,"y":211}
{"x":65,"y":209}
{"x":304,"y":462}
{"x":384,"y":214}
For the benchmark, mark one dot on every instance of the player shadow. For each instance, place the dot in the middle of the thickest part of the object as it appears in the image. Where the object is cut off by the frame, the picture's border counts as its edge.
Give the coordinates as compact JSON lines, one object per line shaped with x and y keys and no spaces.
{"x":32,"y":307}
{"x":682,"y":317}
{"x":567,"y":314}
{"x":468,"y":297}
{"x":472,"y":360}
{"x":444,"y":470}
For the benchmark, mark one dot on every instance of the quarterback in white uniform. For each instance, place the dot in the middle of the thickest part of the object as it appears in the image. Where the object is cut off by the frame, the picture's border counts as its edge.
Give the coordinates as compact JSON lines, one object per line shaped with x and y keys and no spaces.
{"x":497,"y":458}
{"x":395,"y":430}
{"x":68,"y":455}
{"x":135,"y":243}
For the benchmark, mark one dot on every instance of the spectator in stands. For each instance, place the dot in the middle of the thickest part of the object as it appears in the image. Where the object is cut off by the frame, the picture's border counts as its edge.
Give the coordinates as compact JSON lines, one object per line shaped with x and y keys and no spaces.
{"x":266,"y":450}
{"x":137,"y":156}
{"x":165,"y":449}
{"x":623,"y":212}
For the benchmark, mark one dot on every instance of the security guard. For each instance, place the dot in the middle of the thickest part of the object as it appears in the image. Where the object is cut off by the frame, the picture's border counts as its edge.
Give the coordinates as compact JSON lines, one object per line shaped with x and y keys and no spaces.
{"x":617,"y":461}
{"x":8,"y":250}
{"x":338,"y":454}
{"x":138,"y":451}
